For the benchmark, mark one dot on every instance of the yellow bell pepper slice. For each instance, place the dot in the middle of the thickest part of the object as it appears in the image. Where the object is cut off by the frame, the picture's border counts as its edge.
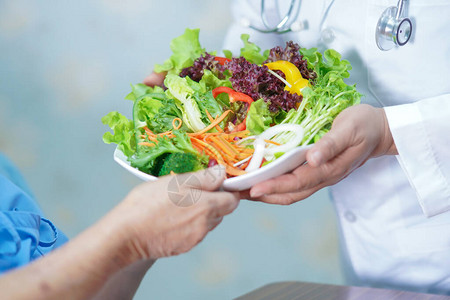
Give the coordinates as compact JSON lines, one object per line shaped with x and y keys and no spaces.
{"x":292,"y":74}
{"x":300,"y":84}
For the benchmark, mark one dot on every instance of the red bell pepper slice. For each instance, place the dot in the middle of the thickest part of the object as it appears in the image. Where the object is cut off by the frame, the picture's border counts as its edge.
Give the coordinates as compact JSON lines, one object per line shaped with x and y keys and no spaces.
{"x":234,"y":96}
{"x":222,"y":60}
{"x":241,"y":126}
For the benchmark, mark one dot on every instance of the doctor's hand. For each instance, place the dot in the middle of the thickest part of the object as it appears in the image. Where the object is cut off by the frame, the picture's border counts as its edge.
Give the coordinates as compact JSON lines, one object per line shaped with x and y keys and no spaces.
{"x":154,"y":79}
{"x":358,"y":133}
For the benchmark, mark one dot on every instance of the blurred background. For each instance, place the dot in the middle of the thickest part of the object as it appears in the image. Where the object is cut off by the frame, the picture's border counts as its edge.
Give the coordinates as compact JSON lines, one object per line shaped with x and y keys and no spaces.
{"x":64,"y":65}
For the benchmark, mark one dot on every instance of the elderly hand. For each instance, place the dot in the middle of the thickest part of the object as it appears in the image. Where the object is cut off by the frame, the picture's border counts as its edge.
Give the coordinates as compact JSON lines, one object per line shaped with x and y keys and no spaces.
{"x":360,"y":132}
{"x":172,"y":215}
{"x":108,"y":260}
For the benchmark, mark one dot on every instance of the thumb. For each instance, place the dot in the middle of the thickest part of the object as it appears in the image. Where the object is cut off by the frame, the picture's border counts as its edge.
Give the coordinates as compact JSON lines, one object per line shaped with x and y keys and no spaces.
{"x":329,"y":146}
{"x":209,"y":179}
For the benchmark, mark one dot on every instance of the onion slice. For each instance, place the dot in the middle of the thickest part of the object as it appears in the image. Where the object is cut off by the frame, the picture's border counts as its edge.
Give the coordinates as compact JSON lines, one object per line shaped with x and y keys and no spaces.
{"x":291,"y":144}
{"x":259,"y":144}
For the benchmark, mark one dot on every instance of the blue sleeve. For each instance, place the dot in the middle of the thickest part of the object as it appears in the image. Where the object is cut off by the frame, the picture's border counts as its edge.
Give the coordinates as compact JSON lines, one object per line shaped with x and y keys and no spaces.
{"x":9,"y":170}
{"x":24,"y":233}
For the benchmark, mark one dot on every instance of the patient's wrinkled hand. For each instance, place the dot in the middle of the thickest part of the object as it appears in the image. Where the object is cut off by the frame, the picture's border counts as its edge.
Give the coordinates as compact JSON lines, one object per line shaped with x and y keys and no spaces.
{"x":173,"y":214}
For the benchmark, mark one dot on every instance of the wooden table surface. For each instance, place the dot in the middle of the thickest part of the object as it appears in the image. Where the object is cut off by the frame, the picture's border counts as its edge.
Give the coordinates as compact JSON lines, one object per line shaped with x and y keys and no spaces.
{"x":315,"y":291}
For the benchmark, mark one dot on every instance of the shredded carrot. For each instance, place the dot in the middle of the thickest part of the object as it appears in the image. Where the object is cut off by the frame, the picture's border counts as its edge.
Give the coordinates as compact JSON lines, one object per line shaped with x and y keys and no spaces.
{"x":225,"y":146}
{"x":211,"y":119}
{"x":272,"y":142}
{"x":180,"y":122}
{"x":234,"y":171}
{"x":242,"y":156}
{"x":166,"y":133}
{"x":213,"y":124}
{"x":152,"y":138}
{"x":229,"y":136}
{"x":218,"y":145}
{"x":224,"y":151}
{"x":208,"y":148}
{"x":246,"y":150}
{"x":245,"y":165}
{"x":207,"y":138}
{"x":239,"y":133}
{"x":148,"y":131}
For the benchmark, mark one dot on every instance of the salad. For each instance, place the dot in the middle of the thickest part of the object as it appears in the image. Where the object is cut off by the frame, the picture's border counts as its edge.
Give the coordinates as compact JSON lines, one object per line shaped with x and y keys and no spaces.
{"x":242,"y":111}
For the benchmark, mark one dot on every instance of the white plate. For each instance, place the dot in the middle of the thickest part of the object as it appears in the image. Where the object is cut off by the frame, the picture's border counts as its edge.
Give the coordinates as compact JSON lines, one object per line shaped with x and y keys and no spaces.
{"x":286,"y":163}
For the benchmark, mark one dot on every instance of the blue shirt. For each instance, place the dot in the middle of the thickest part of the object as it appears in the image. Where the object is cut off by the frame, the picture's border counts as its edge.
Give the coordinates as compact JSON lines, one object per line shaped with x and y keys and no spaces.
{"x":24,"y":232}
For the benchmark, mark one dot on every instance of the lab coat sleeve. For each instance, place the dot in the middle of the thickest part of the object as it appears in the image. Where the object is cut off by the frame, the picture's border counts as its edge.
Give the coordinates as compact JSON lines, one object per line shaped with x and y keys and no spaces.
{"x":421,"y":132}
{"x":248,"y":12}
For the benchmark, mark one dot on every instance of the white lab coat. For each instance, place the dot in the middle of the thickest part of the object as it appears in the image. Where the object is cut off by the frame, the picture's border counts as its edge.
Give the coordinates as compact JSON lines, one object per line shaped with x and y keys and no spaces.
{"x":394,"y":211}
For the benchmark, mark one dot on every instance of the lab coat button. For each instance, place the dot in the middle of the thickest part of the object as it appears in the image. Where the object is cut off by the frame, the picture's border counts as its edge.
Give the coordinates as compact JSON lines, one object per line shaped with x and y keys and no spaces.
{"x":349,"y":216}
{"x":327,"y":36}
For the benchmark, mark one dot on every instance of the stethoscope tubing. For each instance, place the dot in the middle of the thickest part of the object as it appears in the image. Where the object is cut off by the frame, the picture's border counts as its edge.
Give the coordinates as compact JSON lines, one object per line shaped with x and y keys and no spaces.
{"x":284,"y":26}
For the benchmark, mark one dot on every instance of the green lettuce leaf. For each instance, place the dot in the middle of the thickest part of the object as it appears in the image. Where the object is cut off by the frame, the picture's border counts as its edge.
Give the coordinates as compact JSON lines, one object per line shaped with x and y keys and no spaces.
{"x":330,"y":61}
{"x":162,"y":121}
{"x":259,"y":118}
{"x":325,"y":99}
{"x":228,"y":53}
{"x":179,"y":89}
{"x":210,"y":81}
{"x":139,"y":90}
{"x":185,"y":49}
{"x":203,"y":95}
{"x":145,"y":109}
{"x":146,"y":159}
{"x":123,"y":129}
{"x":252,"y":52}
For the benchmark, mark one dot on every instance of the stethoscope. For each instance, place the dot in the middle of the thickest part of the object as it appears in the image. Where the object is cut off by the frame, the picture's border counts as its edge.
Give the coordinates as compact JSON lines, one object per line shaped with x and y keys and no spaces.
{"x":393,"y":28}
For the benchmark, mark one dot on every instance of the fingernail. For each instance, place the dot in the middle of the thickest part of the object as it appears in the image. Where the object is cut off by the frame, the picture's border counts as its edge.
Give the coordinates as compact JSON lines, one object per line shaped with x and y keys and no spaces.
{"x":256,"y":193}
{"x":217,"y":170}
{"x":316,"y":158}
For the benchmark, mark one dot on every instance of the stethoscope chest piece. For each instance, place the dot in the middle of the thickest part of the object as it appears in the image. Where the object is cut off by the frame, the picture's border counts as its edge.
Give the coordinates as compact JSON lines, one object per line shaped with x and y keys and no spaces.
{"x":393,"y":30}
